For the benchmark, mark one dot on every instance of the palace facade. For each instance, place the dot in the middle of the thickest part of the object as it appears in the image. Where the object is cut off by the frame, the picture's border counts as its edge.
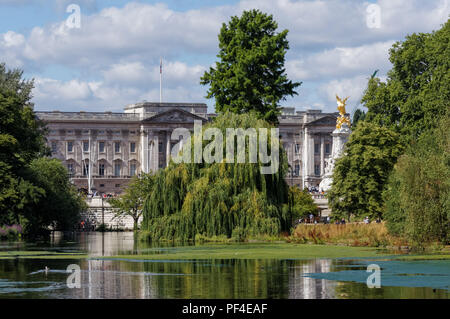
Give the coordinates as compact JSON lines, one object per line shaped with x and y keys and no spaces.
{"x":105,"y":149}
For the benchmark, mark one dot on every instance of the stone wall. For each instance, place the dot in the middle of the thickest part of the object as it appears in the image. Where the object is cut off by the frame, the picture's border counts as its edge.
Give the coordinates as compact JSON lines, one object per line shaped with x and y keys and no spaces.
{"x":100,"y":211}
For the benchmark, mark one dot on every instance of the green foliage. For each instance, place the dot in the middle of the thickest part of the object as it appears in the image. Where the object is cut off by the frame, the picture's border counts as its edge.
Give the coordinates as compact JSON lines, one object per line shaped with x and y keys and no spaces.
{"x":301,"y":203}
{"x":131,"y":202}
{"x":417,"y":91}
{"x":418,"y":193}
{"x":250,"y":74}
{"x":231,"y":199}
{"x":359,"y":176}
{"x":359,"y":115}
{"x":34,"y":191}
{"x":59,"y":205}
{"x":21,"y":140}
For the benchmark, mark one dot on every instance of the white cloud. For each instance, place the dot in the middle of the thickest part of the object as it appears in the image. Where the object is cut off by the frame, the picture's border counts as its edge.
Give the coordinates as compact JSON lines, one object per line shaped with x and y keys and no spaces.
{"x":343,"y":87}
{"x":118,"y":49}
{"x":121,"y":84}
{"x":341,"y":62}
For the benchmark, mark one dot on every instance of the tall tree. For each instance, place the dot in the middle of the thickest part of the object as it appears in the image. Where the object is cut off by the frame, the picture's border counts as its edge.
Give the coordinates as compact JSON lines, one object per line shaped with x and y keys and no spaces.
{"x":59,"y":204}
{"x":359,"y":176}
{"x":34,"y":190}
{"x":418,"y":193}
{"x":417,"y":91}
{"x":21,"y":141}
{"x":250,"y":74}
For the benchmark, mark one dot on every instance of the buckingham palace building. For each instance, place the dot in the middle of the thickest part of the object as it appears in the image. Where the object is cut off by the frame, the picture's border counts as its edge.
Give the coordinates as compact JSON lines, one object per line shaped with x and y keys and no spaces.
{"x":103,"y":150}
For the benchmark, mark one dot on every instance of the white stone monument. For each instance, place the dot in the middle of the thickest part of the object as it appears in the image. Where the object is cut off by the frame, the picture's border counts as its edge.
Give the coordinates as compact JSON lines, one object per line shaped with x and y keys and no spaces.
{"x":340,"y":137}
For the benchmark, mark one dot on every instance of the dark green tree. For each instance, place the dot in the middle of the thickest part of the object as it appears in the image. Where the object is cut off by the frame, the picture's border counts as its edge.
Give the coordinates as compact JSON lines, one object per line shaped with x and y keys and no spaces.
{"x":418,"y":193}
{"x":417,"y":91}
{"x":250,"y":74}
{"x":34,"y":190}
{"x":359,"y":115}
{"x":21,"y":140}
{"x":59,"y":203}
{"x":360,"y":175}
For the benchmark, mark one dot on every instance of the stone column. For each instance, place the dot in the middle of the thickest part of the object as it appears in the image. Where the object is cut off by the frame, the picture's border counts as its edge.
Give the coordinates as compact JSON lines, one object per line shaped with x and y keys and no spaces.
{"x":322,"y":155}
{"x":155,"y":150}
{"x":304,"y":156}
{"x":310,"y":155}
{"x":168,"y":135}
{"x":144,"y":151}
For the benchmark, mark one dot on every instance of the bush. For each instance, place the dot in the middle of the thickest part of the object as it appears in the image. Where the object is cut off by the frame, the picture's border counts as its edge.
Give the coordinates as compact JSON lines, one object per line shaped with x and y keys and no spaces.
{"x":12,"y":232}
{"x":418,"y":194}
{"x":353,"y":234}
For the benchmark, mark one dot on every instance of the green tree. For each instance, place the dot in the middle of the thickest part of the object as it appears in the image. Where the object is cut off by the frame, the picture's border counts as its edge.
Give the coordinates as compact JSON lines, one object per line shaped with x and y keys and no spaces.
{"x":59,"y":203}
{"x":250,"y":74}
{"x":234,"y":200}
{"x":417,"y":91}
{"x":418,"y":193}
{"x":301,"y":202}
{"x":360,"y":175}
{"x":131,"y":202}
{"x":21,"y":141}
{"x":359,"y":115}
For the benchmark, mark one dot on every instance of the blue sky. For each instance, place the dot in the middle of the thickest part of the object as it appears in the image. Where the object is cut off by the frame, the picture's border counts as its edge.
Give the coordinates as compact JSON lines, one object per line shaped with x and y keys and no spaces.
{"x":113,"y":58}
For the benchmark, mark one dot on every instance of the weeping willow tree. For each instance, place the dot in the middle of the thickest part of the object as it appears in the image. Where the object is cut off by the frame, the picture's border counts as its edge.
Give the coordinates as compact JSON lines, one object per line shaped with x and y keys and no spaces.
{"x":223,"y":198}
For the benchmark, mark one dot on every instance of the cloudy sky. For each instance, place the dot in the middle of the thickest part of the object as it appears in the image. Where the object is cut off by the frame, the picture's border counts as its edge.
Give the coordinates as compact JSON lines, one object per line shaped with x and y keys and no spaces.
{"x":112,"y":58}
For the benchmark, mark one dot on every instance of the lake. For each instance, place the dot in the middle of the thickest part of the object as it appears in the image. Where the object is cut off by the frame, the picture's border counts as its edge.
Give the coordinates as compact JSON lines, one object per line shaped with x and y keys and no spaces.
{"x":101,"y":277}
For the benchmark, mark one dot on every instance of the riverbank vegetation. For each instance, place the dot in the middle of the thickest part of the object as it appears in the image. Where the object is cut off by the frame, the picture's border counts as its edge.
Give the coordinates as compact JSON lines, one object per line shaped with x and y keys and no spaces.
{"x":354,"y":234}
{"x":397,"y":163}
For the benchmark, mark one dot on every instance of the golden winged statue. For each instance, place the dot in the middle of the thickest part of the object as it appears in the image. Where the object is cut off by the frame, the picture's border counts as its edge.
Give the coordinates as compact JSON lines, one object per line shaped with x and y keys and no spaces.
{"x":343,"y":118}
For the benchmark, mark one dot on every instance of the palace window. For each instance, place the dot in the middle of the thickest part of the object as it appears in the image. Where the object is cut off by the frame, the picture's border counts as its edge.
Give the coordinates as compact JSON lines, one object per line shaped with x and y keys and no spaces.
{"x":101,"y":147}
{"x":101,"y":169}
{"x":297,"y":148}
{"x":70,"y":169}
{"x":297,"y":170}
{"x":160,"y":147}
{"x":316,"y":148}
{"x":54,"y":147}
{"x":132,"y":169}
{"x":69,"y":147}
{"x":117,"y":168}
{"x":117,"y":147}
{"x":327,"y":148}
{"x":132,"y":147}
{"x":85,"y":146}
{"x":85,"y":168}
{"x":317,"y":170}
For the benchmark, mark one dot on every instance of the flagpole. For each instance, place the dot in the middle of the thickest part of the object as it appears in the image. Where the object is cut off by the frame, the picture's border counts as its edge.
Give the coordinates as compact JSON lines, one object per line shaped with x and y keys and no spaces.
{"x":160,"y":81}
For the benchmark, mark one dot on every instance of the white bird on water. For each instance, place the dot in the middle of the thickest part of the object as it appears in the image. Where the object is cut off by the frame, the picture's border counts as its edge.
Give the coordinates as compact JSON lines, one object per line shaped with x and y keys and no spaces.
{"x":46,"y":270}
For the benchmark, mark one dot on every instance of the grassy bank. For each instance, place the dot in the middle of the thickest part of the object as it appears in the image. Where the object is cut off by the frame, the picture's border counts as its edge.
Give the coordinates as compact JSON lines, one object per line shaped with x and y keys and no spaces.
{"x":354,"y":234}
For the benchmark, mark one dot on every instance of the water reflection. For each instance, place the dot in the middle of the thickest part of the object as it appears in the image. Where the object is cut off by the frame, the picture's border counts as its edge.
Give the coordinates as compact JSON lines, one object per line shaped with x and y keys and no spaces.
{"x":224,"y":279}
